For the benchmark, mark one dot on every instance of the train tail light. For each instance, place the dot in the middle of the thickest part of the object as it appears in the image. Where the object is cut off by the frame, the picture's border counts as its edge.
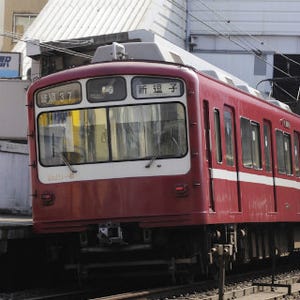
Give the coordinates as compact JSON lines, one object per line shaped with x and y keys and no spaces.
{"x":181,"y":190}
{"x":47,"y":198}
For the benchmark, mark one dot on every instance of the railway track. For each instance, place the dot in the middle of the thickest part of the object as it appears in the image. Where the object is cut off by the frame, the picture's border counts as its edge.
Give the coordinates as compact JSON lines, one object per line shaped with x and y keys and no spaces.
{"x":243,"y":291}
{"x":287,"y":287}
{"x":259,"y":284}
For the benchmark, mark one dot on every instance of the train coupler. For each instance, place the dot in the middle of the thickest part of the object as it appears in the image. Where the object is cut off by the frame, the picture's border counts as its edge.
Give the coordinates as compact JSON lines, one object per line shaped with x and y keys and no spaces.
{"x":110,"y":233}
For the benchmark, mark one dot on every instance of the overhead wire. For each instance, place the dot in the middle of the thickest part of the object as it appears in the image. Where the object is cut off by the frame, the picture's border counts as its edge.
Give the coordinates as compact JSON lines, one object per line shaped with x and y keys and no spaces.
{"x":243,"y":32}
{"x":228,"y":22}
{"x":45,"y":45}
{"x":262,"y":43}
{"x":257,"y":52}
{"x":228,"y":37}
{"x":284,"y":91}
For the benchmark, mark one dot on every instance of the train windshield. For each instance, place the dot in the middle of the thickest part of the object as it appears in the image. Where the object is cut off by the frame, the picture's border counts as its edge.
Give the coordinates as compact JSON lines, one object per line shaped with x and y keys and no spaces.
{"x":106,"y":134}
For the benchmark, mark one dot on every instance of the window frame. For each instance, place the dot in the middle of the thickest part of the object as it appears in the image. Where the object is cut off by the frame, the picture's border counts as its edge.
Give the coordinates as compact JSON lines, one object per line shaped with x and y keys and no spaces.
{"x":297,"y":153}
{"x":229,"y":137}
{"x":15,"y":16}
{"x":250,"y":139}
{"x":267,"y":146}
{"x":107,"y":136}
{"x":284,"y":159}
{"x":218,"y":136}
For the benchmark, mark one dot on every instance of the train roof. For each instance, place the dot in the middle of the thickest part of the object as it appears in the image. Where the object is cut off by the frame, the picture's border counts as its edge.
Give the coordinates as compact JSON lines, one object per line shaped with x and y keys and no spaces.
{"x":147,"y":46}
{"x":154,"y":48}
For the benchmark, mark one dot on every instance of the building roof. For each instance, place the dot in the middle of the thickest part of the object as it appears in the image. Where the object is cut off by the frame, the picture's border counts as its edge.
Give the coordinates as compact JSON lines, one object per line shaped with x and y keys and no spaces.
{"x":70,"y":19}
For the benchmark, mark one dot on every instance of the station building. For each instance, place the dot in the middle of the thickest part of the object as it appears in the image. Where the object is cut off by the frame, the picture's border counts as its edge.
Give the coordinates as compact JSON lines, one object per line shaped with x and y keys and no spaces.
{"x":15,"y":18}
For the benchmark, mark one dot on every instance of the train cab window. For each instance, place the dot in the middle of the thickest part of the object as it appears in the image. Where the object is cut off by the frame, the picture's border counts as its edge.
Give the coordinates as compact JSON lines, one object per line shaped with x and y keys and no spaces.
{"x":147,"y":131}
{"x":118,"y":133}
{"x":218,"y":135}
{"x":267,"y":146}
{"x":251,"y":150}
{"x":284,"y":155}
{"x":229,"y":134}
{"x":73,"y":136}
{"x":296,"y":153}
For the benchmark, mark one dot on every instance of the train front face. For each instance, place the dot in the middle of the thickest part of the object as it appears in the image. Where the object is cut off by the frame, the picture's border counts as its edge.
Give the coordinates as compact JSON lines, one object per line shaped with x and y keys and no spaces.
{"x":112,"y":146}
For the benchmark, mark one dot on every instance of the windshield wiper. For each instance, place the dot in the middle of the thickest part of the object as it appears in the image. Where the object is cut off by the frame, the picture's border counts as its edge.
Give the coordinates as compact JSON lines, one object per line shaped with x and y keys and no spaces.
{"x":67,"y":163}
{"x":149,"y":164}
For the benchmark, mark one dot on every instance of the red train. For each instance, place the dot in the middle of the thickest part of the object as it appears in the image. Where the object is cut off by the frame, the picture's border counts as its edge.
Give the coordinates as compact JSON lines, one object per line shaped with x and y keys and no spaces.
{"x":136,"y":156}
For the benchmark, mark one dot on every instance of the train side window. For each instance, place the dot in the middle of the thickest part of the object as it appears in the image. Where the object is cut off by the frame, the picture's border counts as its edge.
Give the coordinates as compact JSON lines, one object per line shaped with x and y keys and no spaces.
{"x":251,"y":150}
{"x":229,"y":142}
{"x":207,"y":130}
{"x":280,"y":151}
{"x":255,"y":130}
{"x":284,"y":155}
{"x":288,"y":153}
{"x":267,"y":146}
{"x":296,"y":153}
{"x":218,"y":135}
{"x":246,"y":142}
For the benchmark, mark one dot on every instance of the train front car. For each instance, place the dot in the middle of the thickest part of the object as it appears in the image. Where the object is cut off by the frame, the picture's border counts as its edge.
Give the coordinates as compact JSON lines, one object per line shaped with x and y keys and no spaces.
{"x":112,"y":160}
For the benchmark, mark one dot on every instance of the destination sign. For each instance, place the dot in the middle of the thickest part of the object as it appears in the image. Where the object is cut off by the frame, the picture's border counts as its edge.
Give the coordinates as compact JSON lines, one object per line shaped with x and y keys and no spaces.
{"x":60,"y":95}
{"x":157,"y":88}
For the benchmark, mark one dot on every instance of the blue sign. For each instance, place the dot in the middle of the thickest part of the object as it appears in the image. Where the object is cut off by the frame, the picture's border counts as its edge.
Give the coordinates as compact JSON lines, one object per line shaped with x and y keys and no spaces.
{"x":10,"y":64}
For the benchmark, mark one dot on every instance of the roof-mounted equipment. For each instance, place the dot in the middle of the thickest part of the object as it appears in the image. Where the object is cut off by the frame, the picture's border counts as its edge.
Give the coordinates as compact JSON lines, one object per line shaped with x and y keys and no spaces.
{"x":118,"y":51}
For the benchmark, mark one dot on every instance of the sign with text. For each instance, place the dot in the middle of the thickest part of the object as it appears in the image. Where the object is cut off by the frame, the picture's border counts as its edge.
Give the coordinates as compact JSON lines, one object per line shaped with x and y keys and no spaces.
{"x":10,"y":64}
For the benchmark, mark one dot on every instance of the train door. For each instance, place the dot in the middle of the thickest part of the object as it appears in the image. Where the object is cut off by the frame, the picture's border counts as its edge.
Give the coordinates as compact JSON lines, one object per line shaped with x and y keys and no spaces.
{"x":208,"y":153}
{"x":231,"y":188}
{"x":269,"y":166}
{"x":297,"y":160}
{"x":222,"y":161}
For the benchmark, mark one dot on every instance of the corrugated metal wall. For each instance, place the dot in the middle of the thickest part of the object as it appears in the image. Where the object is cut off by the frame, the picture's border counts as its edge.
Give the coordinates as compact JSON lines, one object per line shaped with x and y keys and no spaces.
{"x":242,"y":36}
{"x":69,"y":19}
{"x":267,"y":17}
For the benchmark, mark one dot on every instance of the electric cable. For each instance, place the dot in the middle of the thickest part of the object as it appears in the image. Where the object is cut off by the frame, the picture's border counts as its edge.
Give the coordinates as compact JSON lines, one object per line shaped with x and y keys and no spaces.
{"x":262,"y":43}
{"x":46,"y":45}
{"x":256,"y":52}
{"x":228,"y":37}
